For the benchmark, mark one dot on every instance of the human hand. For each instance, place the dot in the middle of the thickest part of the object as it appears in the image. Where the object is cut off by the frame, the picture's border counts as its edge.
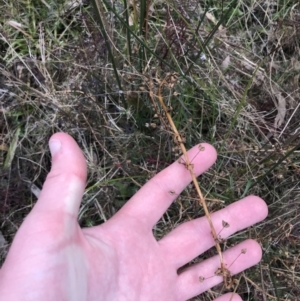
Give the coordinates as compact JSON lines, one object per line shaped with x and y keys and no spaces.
{"x":52,"y":258}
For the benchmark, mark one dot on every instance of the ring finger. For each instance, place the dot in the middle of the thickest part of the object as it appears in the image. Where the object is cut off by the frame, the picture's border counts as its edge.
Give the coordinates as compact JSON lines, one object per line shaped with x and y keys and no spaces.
{"x":193,"y":238}
{"x":200,"y":277}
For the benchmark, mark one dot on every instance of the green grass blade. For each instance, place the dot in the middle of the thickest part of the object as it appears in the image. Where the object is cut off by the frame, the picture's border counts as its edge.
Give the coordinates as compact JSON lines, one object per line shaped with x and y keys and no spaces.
{"x":101,"y":19}
{"x":143,"y":8}
{"x":12,"y":149}
{"x":128,"y":32}
{"x":212,"y":33}
{"x":142,"y":43}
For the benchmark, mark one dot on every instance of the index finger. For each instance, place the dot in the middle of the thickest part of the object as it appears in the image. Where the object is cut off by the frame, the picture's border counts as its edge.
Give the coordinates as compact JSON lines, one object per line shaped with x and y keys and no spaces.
{"x":154,"y":198}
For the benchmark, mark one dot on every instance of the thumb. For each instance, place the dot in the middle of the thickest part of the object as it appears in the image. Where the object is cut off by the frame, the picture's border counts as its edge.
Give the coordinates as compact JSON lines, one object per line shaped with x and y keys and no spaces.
{"x":55,"y":214}
{"x":64,"y":186}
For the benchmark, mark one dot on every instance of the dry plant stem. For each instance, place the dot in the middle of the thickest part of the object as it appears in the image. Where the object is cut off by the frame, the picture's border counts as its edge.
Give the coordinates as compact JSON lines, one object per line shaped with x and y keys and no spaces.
{"x":101,"y":11}
{"x":189,"y":166}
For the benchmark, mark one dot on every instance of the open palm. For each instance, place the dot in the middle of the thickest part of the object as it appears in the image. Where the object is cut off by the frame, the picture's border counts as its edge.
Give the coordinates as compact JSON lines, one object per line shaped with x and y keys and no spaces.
{"x":52,"y":258}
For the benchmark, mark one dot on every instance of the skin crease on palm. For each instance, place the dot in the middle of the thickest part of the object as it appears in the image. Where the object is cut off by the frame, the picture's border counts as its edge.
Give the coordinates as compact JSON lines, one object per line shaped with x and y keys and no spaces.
{"x":52,"y":258}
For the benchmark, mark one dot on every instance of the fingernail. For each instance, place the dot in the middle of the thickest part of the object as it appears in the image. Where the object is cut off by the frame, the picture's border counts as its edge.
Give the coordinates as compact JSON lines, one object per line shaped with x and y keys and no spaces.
{"x":54,"y":146}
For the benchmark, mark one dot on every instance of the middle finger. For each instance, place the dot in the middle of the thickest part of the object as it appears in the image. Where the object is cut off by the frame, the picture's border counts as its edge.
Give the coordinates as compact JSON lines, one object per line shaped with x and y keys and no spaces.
{"x":192,"y":238}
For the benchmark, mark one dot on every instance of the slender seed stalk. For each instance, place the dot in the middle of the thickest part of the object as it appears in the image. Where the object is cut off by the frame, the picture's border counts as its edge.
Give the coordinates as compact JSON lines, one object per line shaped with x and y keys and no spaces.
{"x":190,"y":168}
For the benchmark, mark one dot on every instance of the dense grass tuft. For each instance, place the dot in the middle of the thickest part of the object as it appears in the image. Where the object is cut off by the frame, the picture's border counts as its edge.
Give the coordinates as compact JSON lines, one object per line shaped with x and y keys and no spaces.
{"x":88,"y":68}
